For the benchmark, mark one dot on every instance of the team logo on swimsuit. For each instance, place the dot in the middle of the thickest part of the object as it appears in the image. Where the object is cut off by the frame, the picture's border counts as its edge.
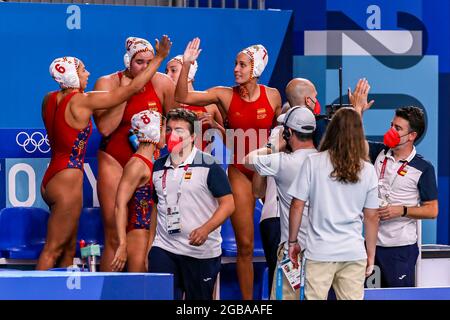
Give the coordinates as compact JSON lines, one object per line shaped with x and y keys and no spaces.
{"x":33,"y":142}
{"x":81,"y":144}
{"x":261,"y":113}
{"x":143,"y":203}
{"x":152,"y":106}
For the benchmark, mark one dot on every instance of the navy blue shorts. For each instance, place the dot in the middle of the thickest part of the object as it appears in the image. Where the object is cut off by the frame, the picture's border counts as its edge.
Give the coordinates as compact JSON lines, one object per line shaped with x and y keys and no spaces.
{"x":191,"y":276}
{"x":397,"y":265}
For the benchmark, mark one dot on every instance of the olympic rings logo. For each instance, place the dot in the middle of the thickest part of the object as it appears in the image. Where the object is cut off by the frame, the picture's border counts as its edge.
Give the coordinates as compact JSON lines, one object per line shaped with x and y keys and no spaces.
{"x":37,"y":141}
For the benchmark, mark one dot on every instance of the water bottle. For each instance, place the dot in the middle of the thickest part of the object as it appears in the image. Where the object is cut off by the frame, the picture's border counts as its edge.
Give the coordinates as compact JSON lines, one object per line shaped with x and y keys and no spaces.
{"x":133,"y":140}
{"x":91,"y":252}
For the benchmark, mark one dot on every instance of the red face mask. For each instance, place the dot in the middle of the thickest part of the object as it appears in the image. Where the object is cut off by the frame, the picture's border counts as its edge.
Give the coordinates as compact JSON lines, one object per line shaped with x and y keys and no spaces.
{"x":174,"y":142}
{"x":316,"y":107}
{"x":392,"y":138}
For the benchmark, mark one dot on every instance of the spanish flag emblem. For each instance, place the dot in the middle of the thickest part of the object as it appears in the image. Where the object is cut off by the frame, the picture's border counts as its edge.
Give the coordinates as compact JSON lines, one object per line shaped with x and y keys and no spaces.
{"x":260,"y":110}
{"x":188,"y":175}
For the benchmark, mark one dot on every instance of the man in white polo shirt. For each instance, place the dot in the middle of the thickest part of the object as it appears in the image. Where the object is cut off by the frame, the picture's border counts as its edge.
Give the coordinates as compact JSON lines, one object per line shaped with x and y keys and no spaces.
{"x":299,"y":124}
{"x":407,"y":191}
{"x":193,"y":199}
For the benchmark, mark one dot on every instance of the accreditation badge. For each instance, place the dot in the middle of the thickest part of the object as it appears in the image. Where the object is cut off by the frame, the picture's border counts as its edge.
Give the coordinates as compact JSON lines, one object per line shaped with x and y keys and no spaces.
{"x":173,"y":220}
{"x":292,"y":274}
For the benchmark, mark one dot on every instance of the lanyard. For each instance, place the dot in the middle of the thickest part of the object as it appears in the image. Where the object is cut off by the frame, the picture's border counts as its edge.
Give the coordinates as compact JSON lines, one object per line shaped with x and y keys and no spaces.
{"x":164,"y":184}
{"x":399,"y":171}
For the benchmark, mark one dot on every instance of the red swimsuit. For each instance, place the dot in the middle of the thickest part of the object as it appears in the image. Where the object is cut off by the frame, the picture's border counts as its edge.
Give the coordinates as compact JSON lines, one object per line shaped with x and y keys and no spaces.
{"x":199,"y":111}
{"x":68,"y":145}
{"x":117,"y":144}
{"x":140,"y":205}
{"x":245,"y":115}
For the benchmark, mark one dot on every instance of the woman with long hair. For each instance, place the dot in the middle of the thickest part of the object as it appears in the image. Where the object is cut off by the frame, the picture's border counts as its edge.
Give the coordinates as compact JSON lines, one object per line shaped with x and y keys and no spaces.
{"x":340,"y":187}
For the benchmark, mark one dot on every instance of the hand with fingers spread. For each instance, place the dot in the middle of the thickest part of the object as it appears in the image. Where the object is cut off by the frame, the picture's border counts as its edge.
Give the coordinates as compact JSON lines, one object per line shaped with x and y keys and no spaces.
{"x":198,"y":236}
{"x":163,"y":46}
{"x":192,"y":51}
{"x":120,"y":258}
{"x":359,"y":96}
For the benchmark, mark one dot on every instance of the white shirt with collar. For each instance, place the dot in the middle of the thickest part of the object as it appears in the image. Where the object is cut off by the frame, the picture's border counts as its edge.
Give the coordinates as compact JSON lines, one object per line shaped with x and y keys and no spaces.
{"x":284,"y":167}
{"x":401,"y":189}
{"x":201,"y":184}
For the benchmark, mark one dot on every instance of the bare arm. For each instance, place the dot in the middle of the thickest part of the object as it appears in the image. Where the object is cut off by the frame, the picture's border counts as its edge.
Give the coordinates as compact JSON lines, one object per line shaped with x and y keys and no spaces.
{"x":131,"y":178}
{"x":107,"y":120}
{"x":275,"y":102}
{"x":259,"y":186}
{"x":216,"y":95}
{"x":104,"y":100}
{"x":217,"y":119}
{"x":427,"y":210}
{"x":371,"y":234}
{"x":226,"y":207}
{"x":152,"y":231}
{"x":295,"y":221}
{"x":248,"y":159}
{"x":168,"y":89}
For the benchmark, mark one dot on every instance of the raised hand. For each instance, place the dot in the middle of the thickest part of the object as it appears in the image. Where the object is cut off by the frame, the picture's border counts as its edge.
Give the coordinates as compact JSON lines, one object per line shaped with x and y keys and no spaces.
{"x":192,"y":50}
{"x":163,"y":46}
{"x":359,"y":96}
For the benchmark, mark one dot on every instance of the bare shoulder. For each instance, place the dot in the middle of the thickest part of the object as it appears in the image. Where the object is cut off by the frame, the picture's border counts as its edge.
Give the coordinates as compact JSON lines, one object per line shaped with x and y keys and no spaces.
{"x":221,"y":89}
{"x":46,"y":97}
{"x":162,"y":80}
{"x":222,"y":92}
{"x":272,"y":91}
{"x":135,"y":169}
{"x":274,"y":97}
{"x":45,"y":100}
{"x":107,"y":82}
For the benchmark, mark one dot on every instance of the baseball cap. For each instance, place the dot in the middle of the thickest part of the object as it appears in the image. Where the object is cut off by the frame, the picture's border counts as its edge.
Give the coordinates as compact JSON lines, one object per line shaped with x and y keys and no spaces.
{"x":300,"y":119}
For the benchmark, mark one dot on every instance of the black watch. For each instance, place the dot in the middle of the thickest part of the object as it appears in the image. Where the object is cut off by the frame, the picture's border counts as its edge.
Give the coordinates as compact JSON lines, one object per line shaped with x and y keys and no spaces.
{"x":405,"y":211}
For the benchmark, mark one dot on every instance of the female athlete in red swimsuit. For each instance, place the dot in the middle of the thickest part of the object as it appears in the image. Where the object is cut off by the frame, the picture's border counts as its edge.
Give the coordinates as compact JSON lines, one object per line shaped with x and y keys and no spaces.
{"x":114,"y":125}
{"x":209,"y":115}
{"x":134,"y":205}
{"x":66,"y":114}
{"x":252,"y":108}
